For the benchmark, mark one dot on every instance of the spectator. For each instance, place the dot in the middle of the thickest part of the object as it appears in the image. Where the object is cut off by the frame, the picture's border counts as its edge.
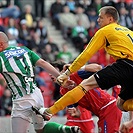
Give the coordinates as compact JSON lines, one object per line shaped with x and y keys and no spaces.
{"x":24,"y":33}
{"x":64,"y":55}
{"x":36,"y":42}
{"x":131,"y":5}
{"x":97,"y":4}
{"x":54,"y":46}
{"x":67,"y":21}
{"x":122,"y":3}
{"x":47,"y":53}
{"x":85,"y":4}
{"x":18,"y":4}
{"x":9,"y":10}
{"x":131,"y":17}
{"x":39,"y":6}
{"x":80,"y":15}
{"x":71,"y":5}
{"x":41,"y":29}
{"x":124,"y":18}
{"x":6,"y":103}
{"x":92,"y":30}
{"x":12,"y":41}
{"x":79,"y":36}
{"x":55,"y":9}
{"x":28,"y":15}
{"x":12,"y":29}
{"x":5,"y":4}
{"x":111,"y":3}
{"x":92,"y":15}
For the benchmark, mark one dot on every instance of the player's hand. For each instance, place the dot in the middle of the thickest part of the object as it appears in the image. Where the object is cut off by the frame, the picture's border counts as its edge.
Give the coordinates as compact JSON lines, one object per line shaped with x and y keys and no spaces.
{"x":126,"y":127}
{"x":62,"y":79}
{"x":69,"y":84}
{"x":73,"y":112}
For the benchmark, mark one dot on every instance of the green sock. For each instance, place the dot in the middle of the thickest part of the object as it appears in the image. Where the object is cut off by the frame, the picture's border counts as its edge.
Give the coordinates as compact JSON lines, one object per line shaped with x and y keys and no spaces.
{"x":53,"y":127}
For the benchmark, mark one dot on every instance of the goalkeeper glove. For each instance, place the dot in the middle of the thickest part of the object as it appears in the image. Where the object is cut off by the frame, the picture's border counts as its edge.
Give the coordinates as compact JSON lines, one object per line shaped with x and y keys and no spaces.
{"x":63,"y":77}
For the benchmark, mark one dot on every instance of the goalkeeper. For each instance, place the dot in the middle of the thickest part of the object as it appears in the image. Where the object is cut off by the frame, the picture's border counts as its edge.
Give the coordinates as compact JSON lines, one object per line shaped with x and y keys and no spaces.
{"x":118,"y":42}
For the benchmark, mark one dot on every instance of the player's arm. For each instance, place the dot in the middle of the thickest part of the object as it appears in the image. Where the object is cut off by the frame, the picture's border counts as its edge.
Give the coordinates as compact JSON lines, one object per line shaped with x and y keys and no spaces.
{"x":37,"y":61}
{"x":96,"y":43}
{"x":92,"y":67}
{"x":48,"y":67}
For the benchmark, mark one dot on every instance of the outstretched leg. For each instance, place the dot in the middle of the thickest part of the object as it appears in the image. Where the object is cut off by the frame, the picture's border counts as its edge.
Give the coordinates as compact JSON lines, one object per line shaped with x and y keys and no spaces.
{"x":53,"y":127}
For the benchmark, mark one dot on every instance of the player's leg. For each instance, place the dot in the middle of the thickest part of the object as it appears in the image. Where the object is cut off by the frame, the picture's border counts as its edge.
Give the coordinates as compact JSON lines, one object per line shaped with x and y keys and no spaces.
{"x":104,"y":79}
{"x":19,"y":125}
{"x":74,"y":95}
{"x":52,"y":127}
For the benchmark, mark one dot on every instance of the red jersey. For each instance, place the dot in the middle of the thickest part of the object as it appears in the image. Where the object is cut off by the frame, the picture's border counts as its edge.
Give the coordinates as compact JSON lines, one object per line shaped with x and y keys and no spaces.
{"x":100,"y":103}
{"x":85,"y":121}
{"x":98,"y":98}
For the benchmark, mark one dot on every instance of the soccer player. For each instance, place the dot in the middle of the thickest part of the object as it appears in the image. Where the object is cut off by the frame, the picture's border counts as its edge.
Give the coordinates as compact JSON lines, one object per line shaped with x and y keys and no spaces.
{"x":98,"y":101}
{"x":16,"y":65}
{"x":77,"y":115}
{"x":118,"y":42}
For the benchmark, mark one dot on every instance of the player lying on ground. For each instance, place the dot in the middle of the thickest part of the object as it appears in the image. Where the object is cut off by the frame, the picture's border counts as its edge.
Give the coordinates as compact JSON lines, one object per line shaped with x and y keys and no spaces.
{"x":97,"y":101}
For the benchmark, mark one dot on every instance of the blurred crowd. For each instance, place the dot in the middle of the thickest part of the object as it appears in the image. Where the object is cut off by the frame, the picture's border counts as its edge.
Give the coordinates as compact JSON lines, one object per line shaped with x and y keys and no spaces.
{"x":77,"y":21}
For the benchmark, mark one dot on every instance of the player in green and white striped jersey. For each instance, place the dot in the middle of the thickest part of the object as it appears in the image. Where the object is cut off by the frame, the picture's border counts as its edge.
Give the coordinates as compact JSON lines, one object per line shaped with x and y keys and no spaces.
{"x":17,"y":66}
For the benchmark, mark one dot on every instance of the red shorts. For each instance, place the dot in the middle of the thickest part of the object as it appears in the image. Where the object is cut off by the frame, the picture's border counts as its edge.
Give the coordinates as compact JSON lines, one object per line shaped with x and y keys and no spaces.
{"x":109,"y":119}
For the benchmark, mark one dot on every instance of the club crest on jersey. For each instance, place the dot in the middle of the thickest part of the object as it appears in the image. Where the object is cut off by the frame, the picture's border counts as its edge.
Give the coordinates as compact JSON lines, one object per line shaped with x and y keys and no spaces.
{"x":14,"y":52}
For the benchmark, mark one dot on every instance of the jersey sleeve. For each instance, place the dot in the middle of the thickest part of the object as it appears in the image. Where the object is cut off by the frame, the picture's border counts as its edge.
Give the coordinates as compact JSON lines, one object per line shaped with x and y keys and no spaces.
{"x":84,"y":74}
{"x":96,"y":43}
{"x":33,"y":56}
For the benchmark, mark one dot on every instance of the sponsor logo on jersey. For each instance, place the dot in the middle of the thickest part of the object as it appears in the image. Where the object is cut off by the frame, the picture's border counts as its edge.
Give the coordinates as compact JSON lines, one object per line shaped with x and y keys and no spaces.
{"x":14,"y":52}
{"x":28,"y":79}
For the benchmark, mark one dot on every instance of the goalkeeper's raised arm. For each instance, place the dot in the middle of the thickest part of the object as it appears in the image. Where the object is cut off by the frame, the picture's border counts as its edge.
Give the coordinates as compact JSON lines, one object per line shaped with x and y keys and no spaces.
{"x":95,"y":44}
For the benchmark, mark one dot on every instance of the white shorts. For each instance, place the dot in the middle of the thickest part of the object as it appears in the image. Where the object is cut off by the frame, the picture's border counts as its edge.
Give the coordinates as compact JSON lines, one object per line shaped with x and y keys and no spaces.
{"x":22,"y":108}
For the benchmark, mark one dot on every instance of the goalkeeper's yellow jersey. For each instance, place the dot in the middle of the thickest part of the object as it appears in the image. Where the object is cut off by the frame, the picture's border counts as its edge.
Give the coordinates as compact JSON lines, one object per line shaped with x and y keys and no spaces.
{"x":115,"y":39}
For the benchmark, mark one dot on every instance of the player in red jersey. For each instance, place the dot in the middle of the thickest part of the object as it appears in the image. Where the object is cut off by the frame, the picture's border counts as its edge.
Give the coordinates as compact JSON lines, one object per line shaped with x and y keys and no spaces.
{"x":98,"y":102}
{"x":77,"y":115}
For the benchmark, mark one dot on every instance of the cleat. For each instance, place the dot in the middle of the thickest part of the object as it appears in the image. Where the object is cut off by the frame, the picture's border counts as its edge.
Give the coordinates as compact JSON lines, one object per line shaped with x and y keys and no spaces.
{"x":75,"y":129}
{"x":46,"y":116}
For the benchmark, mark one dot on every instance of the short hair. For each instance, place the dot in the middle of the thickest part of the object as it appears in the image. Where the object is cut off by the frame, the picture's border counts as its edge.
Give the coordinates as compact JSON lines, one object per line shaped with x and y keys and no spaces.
{"x":59,"y":64}
{"x":112,"y":11}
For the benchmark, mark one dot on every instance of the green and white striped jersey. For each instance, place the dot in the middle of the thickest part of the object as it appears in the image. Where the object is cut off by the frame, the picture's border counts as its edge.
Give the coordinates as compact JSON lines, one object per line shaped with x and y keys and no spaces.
{"x":16,"y":65}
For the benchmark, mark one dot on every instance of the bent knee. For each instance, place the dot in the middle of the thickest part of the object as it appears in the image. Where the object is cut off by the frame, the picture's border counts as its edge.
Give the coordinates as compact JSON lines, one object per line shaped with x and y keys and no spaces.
{"x":89,"y":83}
